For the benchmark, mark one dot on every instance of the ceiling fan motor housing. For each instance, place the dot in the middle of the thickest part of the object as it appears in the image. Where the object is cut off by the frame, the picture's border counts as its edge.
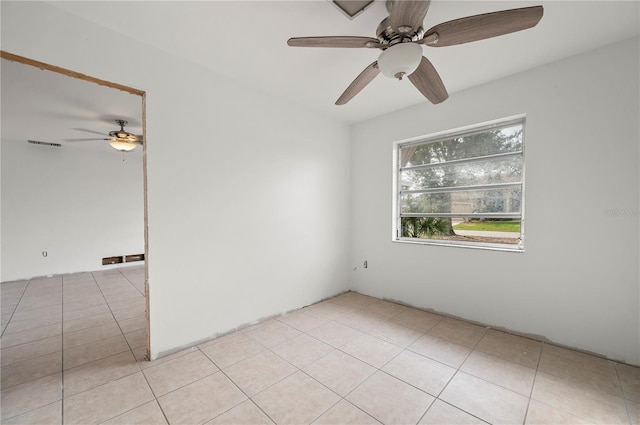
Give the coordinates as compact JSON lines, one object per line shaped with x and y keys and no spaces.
{"x":122,"y":135}
{"x":389,"y":37}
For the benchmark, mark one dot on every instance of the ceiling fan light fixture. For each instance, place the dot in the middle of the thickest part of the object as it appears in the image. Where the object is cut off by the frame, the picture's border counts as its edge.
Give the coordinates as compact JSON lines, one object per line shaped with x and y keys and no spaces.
{"x":122,"y":145}
{"x":400,"y":60}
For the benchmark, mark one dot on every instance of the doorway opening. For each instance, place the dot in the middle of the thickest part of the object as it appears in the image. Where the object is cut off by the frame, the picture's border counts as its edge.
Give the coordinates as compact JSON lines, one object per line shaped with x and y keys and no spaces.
{"x":69,"y":125}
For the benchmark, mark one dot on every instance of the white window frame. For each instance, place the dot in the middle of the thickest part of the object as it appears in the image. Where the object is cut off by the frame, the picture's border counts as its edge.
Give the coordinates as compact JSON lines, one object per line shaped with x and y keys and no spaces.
{"x":396,"y":232}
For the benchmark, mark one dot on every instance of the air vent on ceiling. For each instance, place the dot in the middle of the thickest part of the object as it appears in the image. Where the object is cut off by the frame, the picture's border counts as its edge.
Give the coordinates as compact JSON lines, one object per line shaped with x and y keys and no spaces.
{"x":352,"y":8}
{"x":37,"y":142}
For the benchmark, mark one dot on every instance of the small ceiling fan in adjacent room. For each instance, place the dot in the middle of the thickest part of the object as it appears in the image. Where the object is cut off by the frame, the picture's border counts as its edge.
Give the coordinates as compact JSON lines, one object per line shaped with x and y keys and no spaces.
{"x":120,"y":139}
{"x":401,"y":36}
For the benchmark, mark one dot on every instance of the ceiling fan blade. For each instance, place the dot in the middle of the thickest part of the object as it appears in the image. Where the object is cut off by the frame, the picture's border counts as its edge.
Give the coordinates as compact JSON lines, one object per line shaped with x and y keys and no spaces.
{"x":89,"y":131}
{"x":359,"y":83}
{"x":333,"y":41}
{"x":480,"y":27}
{"x":406,"y":16}
{"x":428,"y":82}
{"x":82,"y":140}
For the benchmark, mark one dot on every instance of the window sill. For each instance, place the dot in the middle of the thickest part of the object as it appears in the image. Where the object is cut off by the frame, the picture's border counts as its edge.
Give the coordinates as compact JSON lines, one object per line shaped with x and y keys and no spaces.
{"x":460,"y":244}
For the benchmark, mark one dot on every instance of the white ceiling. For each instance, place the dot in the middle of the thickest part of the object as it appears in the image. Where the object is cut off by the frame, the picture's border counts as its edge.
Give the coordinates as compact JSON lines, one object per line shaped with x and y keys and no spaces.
{"x":246,"y":41}
{"x":54,"y":108}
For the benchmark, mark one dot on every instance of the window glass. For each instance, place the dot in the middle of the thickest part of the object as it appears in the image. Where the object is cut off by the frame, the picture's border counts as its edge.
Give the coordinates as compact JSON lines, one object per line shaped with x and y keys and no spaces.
{"x":463,"y":189}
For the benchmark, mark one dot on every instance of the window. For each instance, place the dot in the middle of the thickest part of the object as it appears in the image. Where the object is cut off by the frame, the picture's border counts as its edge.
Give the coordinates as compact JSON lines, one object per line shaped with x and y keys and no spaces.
{"x":462,"y":188}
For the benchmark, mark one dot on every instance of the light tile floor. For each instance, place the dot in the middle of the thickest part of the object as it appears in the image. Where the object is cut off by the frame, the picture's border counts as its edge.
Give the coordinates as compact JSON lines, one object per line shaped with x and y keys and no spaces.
{"x":73,"y":347}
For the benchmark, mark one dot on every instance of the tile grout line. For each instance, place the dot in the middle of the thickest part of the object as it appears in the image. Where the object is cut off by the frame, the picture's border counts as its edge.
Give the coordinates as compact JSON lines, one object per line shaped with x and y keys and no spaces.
{"x":624,"y":398}
{"x":62,"y":352}
{"x":533,"y":384}
{"x":403,"y":349}
{"x":155,"y":397}
{"x":111,"y":311}
{"x":240,"y":389}
{"x":335,"y":320}
{"x":377,"y":369}
{"x":128,"y":280}
{"x":114,"y":316}
{"x":557,"y":376}
{"x":44,"y":355}
{"x":130,"y":350}
{"x":16,"y":307}
{"x":340,"y":397}
{"x":458,"y":370}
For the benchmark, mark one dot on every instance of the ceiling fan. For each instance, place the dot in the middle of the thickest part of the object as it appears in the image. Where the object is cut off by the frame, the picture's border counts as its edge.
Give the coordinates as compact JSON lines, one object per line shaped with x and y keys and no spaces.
{"x":120,"y":139}
{"x":401,"y":36}
{"x":123,"y":140}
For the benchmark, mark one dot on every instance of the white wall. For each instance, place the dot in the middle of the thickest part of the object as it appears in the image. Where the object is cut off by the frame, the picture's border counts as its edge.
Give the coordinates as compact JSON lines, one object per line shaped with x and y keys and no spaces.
{"x":224,"y":251}
{"x":252,"y":220}
{"x":577,"y":282}
{"x":67,"y":202}
{"x":247,"y":195}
